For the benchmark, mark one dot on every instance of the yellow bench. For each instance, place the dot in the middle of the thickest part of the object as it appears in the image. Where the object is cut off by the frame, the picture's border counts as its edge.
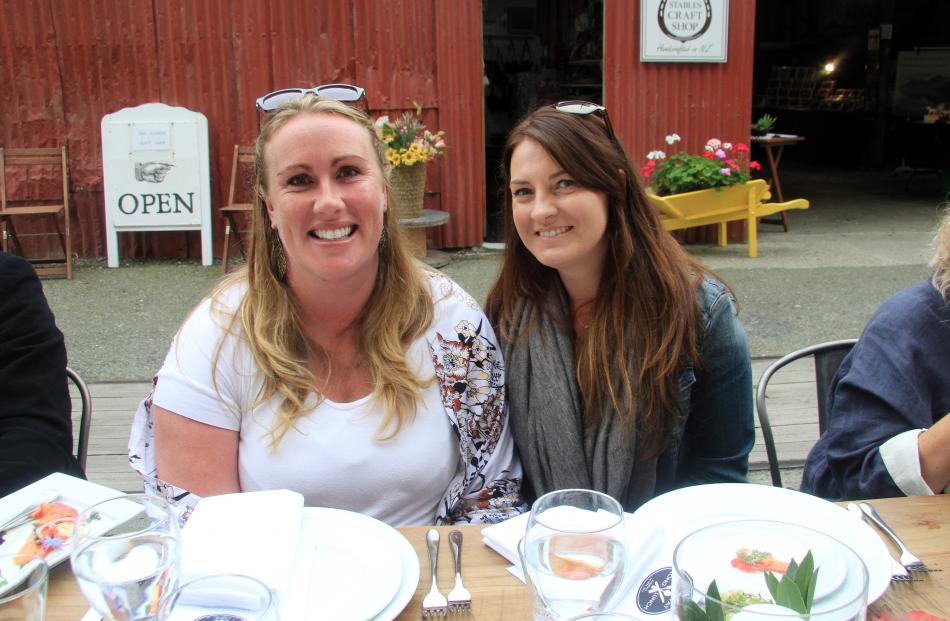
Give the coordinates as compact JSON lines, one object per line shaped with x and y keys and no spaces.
{"x":737,"y":202}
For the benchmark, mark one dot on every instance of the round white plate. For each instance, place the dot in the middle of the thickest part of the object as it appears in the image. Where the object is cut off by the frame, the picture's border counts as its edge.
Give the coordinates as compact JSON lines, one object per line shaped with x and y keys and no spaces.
{"x":687,"y":509}
{"x":360,"y":569}
{"x":716,"y":549}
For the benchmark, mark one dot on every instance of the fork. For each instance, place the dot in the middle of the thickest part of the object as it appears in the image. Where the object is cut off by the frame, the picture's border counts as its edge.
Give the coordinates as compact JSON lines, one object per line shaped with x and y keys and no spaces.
{"x":908,"y":560}
{"x":460,"y":600}
{"x":434,"y":604}
{"x":898,"y":572}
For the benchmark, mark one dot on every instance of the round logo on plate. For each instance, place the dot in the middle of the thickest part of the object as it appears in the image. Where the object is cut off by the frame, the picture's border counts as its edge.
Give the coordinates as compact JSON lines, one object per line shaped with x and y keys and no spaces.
{"x":654,"y":594}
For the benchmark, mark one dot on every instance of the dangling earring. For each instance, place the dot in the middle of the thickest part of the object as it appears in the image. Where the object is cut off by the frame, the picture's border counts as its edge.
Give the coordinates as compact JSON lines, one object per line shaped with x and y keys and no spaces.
{"x":383,"y":238}
{"x":278,"y":258}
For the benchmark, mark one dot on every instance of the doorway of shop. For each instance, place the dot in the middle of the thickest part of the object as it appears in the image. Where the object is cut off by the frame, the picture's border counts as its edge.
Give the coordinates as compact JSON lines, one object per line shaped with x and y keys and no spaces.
{"x":536,"y":52}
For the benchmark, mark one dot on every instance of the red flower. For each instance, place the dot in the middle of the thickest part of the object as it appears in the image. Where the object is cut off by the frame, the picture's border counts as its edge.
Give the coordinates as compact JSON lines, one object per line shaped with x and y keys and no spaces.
{"x":709,"y":155}
{"x":753,"y":165}
{"x":741,"y":148}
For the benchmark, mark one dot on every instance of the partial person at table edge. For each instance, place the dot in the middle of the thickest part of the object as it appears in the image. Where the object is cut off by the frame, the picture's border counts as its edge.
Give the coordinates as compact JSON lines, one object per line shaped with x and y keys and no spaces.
{"x":36,"y":436}
{"x":628,"y":368}
{"x":888,"y":433}
{"x":334,"y":364}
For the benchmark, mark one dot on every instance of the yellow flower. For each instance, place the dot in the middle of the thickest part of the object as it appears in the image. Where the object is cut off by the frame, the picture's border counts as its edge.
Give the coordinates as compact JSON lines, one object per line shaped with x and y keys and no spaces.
{"x":392,"y":157}
{"x":408,"y":158}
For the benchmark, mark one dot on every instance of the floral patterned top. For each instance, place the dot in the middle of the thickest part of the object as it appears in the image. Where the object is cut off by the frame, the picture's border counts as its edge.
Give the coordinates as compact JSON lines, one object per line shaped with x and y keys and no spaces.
{"x":469,"y":373}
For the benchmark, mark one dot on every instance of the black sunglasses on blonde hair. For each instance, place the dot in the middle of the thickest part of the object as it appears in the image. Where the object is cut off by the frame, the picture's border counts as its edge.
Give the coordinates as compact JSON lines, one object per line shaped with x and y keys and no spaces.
{"x":583,"y":108}
{"x":347,"y":93}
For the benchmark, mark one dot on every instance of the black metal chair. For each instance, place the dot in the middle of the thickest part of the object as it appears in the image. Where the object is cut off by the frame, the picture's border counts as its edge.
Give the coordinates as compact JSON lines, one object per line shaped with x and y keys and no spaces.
{"x":828,"y":357}
{"x":85,"y":417}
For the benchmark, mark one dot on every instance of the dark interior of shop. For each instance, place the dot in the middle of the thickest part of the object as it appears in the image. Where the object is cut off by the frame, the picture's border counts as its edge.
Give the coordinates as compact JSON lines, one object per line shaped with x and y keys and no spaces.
{"x":867,"y":82}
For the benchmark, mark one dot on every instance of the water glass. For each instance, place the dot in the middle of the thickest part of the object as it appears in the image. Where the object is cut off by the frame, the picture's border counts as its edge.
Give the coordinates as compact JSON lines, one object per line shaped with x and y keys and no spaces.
{"x":23,"y":583}
{"x":573,"y":552}
{"x":737,"y":555}
{"x":126,"y":556}
{"x":221,"y":597}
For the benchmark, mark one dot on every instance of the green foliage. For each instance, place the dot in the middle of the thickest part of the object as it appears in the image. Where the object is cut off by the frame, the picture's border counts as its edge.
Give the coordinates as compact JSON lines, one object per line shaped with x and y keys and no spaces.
{"x":796,"y":589}
{"x":764,"y":123}
{"x":684,"y":172}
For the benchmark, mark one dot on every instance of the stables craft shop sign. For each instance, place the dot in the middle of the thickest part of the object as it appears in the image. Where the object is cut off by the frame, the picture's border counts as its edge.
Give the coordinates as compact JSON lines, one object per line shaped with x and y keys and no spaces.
{"x":684,"y":31}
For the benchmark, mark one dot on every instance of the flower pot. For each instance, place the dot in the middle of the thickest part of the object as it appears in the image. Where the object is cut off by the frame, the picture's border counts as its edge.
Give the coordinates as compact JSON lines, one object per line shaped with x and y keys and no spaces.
{"x":745,"y":201}
{"x":408,"y":185}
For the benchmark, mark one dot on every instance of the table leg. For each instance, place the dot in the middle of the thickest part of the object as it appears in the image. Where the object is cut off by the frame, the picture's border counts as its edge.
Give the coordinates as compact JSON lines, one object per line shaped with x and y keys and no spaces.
{"x":774,"y":158}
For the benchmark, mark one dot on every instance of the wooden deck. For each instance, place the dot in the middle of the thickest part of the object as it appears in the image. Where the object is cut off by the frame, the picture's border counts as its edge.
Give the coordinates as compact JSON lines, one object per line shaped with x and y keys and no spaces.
{"x":792,"y":411}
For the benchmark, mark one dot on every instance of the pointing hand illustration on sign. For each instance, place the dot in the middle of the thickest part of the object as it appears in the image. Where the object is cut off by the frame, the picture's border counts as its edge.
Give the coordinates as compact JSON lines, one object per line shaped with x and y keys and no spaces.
{"x":152,"y":172}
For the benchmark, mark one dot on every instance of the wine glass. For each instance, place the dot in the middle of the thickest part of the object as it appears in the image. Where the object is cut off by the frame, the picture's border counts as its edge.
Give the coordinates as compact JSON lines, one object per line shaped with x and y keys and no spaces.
{"x":126,"y":554}
{"x":225,"y":597}
{"x":738,"y":555}
{"x":573,"y":553}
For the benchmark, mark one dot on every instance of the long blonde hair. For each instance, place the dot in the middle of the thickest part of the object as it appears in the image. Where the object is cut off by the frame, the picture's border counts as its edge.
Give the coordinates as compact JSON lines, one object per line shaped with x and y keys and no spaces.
{"x":940,"y":262}
{"x":399,"y":309}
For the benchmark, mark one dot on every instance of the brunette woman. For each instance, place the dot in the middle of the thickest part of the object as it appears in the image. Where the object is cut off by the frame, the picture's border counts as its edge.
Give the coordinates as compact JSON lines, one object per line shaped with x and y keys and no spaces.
{"x":628,"y":369}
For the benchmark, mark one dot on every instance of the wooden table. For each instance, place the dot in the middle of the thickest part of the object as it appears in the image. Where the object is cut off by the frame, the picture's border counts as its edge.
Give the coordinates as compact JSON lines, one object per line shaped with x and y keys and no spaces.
{"x":774,"y":146}
{"x":923,"y":522}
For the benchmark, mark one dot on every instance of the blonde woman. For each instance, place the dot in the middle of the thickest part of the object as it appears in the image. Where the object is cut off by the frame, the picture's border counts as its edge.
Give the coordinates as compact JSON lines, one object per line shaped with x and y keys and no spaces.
{"x":888,"y":431}
{"x":335,"y":364}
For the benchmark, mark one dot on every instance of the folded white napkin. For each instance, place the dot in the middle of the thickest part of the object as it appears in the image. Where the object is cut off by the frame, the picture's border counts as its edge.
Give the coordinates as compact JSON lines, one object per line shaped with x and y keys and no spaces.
{"x":257,"y":534}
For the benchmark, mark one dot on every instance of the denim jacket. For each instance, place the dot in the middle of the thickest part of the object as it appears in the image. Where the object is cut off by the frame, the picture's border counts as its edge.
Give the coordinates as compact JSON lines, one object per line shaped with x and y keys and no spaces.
{"x":715,"y":430}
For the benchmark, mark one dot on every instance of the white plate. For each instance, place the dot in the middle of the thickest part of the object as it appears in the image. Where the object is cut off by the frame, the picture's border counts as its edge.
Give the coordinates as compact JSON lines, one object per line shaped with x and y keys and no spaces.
{"x":75,"y":492}
{"x":363,"y":568}
{"x":716,"y":549}
{"x":690,"y":508}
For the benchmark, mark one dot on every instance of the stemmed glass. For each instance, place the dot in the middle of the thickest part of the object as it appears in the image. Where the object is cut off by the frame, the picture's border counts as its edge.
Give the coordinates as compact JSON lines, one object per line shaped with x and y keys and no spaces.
{"x":126,"y":555}
{"x":573,"y":553}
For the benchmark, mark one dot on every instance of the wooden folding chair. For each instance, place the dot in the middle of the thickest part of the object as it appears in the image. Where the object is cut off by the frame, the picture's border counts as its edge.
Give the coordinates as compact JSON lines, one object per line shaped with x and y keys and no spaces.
{"x":242,"y":179}
{"x":32,"y":198}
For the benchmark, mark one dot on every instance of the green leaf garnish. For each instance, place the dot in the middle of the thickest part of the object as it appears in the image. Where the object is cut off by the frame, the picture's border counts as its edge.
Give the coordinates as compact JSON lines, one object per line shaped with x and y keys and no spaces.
{"x":796,"y":589}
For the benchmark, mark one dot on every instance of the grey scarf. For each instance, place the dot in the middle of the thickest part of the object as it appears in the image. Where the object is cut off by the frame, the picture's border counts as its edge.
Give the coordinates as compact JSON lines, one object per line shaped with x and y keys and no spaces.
{"x":546,"y":417}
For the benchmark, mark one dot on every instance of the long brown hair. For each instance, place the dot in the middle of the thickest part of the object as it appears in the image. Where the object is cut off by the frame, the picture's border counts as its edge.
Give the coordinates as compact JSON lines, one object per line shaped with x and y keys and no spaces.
{"x":645,"y":310}
{"x":399,"y":309}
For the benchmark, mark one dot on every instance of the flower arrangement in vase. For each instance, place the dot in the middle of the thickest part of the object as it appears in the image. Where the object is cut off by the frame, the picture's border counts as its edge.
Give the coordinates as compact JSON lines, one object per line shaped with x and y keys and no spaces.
{"x":721,"y":164}
{"x":409,"y":148}
{"x":407,"y":140}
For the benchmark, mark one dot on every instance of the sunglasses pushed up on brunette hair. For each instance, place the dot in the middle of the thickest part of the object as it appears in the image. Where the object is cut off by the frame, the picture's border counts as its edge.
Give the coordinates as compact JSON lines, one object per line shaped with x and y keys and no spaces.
{"x":583,"y":108}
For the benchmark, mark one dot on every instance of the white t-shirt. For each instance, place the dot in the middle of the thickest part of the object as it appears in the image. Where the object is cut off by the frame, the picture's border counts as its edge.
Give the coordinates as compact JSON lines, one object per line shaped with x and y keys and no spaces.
{"x":331,"y":455}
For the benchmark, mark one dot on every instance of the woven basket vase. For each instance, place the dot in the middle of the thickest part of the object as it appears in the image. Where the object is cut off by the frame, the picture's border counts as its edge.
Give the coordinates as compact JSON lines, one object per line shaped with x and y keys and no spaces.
{"x":408,"y":188}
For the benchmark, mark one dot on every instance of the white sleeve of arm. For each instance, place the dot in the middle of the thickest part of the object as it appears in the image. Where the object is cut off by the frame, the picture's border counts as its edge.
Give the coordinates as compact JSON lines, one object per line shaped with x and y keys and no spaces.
{"x":187,"y":382}
{"x":901,"y":457}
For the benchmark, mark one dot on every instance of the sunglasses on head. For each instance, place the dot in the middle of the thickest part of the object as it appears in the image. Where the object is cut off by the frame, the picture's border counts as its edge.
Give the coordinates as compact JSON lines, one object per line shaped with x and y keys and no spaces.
{"x":583,"y":108}
{"x":347,"y":93}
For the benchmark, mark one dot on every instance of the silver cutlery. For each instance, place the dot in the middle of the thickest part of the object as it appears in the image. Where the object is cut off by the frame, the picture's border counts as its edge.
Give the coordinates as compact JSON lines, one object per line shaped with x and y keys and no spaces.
{"x":898,"y":572}
{"x":434,"y":604}
{"x":27,"y":514}
{"x":460,"y":600}
{"x":907,"y":559}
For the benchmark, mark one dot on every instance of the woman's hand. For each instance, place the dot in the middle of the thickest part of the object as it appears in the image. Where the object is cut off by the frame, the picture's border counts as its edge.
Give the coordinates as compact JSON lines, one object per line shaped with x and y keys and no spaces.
{"x":194,"y":456}
{"x":934,"y":448}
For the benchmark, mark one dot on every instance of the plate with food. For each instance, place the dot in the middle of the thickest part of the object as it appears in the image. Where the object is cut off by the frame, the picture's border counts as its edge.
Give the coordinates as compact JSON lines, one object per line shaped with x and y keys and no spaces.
{"x":43,"y":514}
{"x":688,"y":509}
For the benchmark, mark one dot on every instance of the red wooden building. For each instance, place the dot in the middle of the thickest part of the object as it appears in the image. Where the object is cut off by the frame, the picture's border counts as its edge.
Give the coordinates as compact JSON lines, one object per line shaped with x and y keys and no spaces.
{"x":65,"y":64}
